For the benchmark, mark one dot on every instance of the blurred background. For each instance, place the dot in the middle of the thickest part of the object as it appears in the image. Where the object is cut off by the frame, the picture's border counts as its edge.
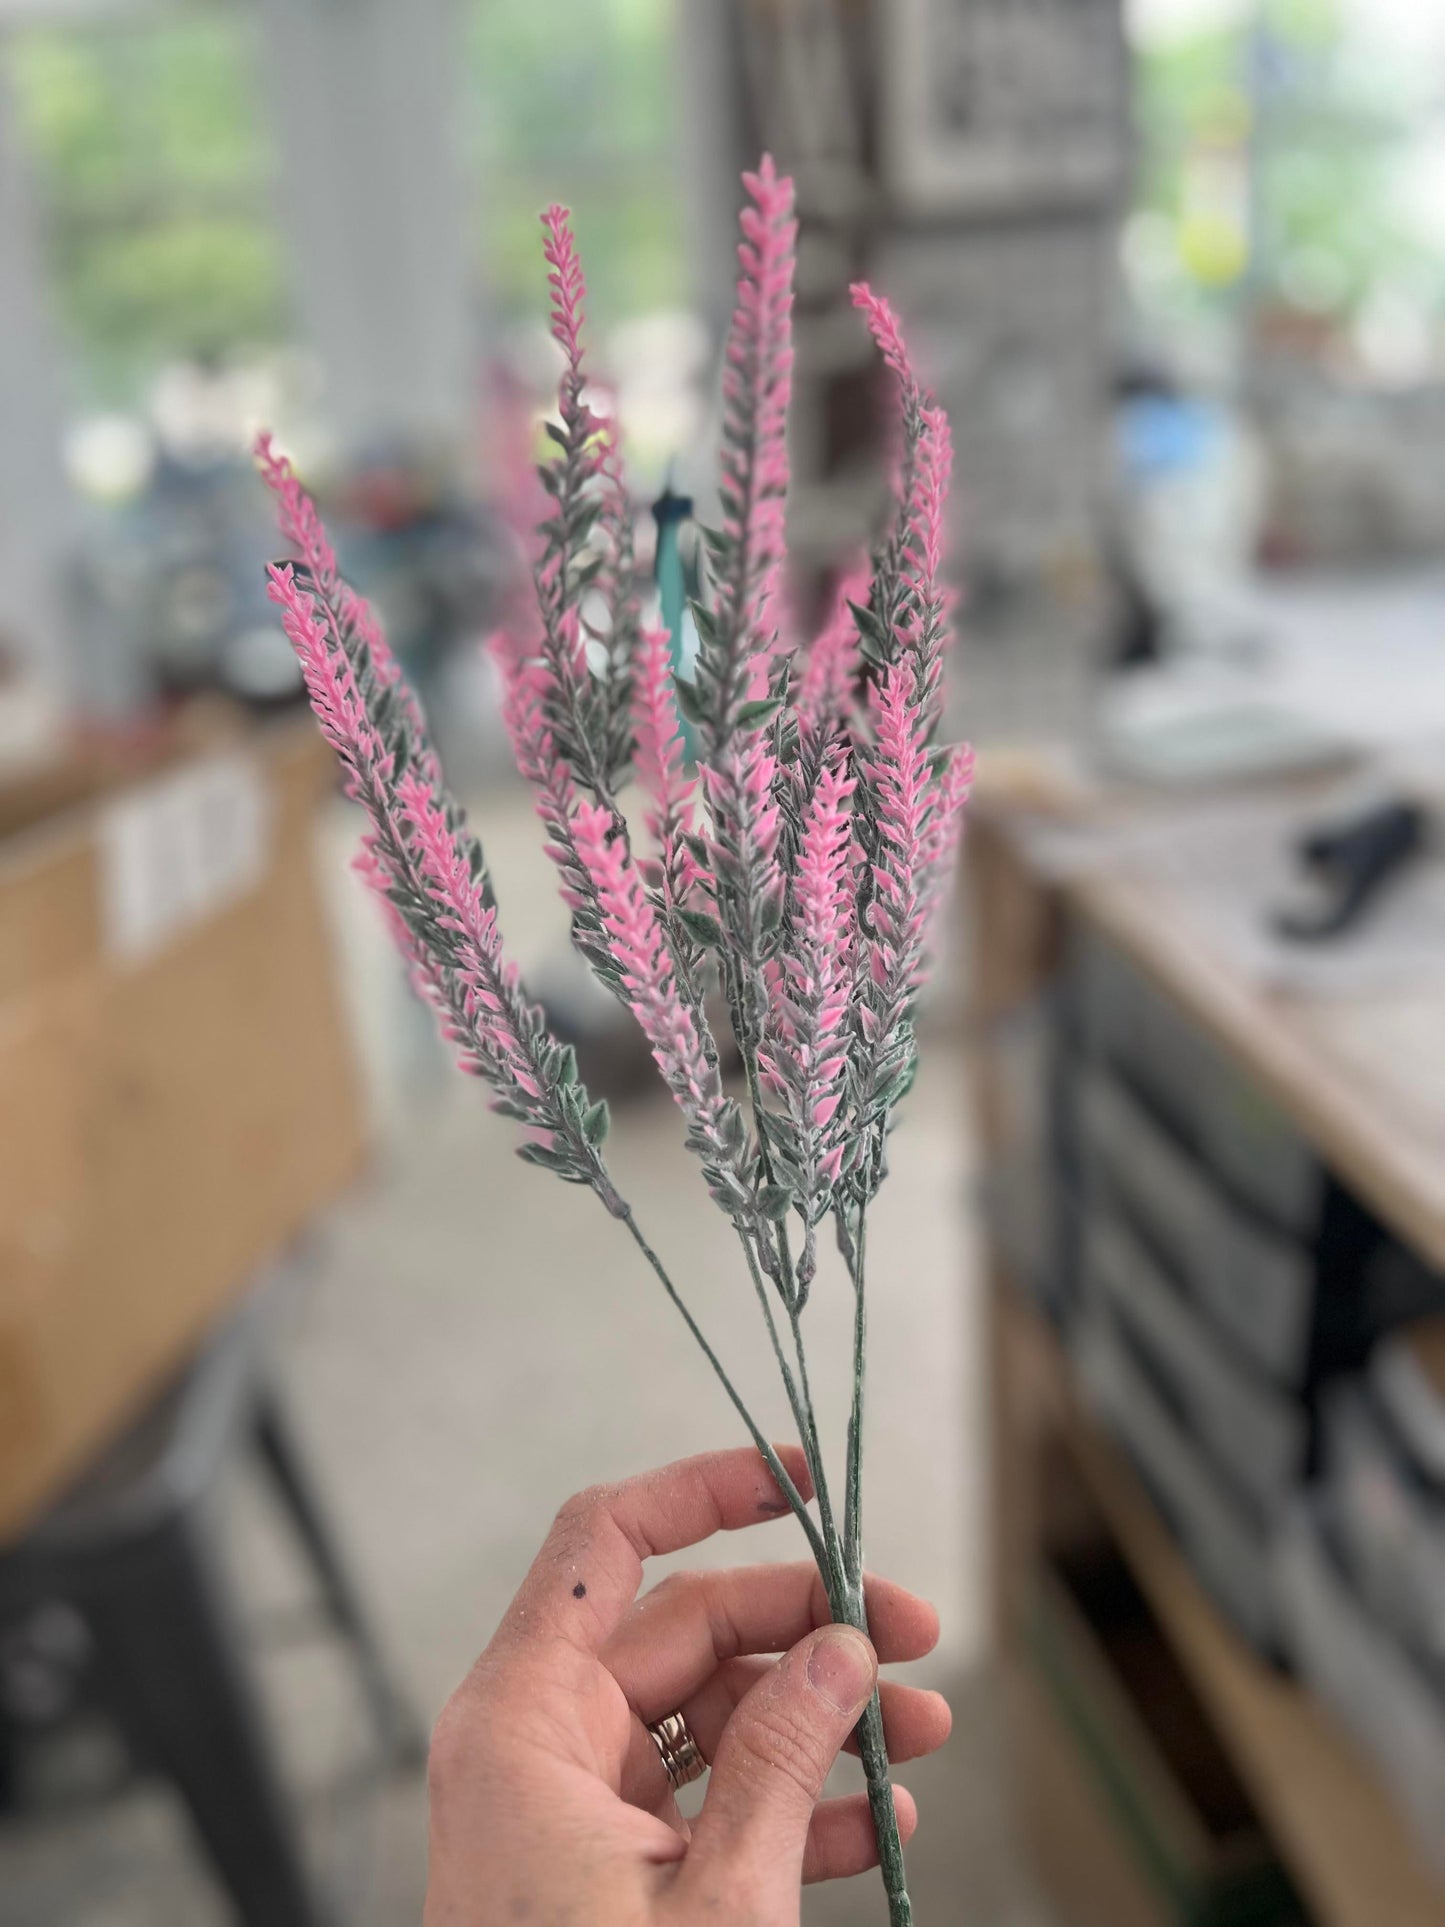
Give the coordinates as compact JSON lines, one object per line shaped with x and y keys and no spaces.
{"x":296,"y":1361}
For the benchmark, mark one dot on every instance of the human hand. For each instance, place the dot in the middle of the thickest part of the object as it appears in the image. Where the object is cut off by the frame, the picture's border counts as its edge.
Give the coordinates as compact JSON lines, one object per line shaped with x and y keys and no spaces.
{"x":549,"y":1802}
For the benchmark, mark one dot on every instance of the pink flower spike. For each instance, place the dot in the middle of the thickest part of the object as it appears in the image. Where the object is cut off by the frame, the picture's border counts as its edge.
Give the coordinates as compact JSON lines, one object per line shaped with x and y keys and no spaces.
{"x":756,"y":387}
{"x":568,"y":285}
{"x":935,"y":461}
{"x":530,"y":691}
{"x":358,"y":629}
{"x":429,"y":871}
{"x":884,"y":328}
{"x":945,"y":830}
{"x":804,"y":1050}
{"x":330,"y":684}
{"x":639,"y":951}
{"x":743,"y":845}
{"x":300,"y":524}
{"x":830,"y":667}
{"x":657,"y":731}
{"x":900,"y":774}
{"x":908,"y":596}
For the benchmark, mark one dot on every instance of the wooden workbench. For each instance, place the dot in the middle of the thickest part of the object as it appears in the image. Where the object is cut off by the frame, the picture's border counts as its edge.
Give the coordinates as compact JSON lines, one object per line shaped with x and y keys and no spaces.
{"x":1362,"y":1081}
{"x":179,"y":1094}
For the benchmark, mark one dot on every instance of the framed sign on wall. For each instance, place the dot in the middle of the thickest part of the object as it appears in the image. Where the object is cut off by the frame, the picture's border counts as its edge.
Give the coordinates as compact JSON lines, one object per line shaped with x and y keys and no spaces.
{"x":1001,"y":106}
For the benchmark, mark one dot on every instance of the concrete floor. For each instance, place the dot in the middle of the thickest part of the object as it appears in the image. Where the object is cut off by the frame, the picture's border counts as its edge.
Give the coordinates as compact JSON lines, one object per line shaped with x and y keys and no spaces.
{"x":464,"y":1342}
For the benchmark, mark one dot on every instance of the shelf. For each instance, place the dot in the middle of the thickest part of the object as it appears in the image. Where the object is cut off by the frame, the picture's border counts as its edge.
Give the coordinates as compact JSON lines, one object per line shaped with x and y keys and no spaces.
{"x":1360,"y":1076}
{"x":1335,"y":1826}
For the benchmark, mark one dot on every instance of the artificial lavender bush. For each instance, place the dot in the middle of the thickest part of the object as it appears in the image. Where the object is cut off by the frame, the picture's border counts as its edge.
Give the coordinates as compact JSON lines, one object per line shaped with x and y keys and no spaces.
{"x":799,"y":871}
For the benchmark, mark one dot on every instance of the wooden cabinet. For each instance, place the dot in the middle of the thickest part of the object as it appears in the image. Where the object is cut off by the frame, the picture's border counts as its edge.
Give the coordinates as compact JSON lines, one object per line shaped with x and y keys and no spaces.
{"x":1359,"y":1086}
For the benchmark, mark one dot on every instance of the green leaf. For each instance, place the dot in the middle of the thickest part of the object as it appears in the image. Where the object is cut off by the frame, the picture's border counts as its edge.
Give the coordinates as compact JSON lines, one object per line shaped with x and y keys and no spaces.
{"x":720,"y":544}
{"x":547,"y":1158}
{"x":775,"y":1201}
{"x":727,"y":865}
{"x":705,"y":620}
{"x":689,"y":700}
{"x":874,"y":634}
{"x":706,"y":929}
{"x":504,"y":1107}
{"x":755,"y":713}
{"x":595,"y":1123}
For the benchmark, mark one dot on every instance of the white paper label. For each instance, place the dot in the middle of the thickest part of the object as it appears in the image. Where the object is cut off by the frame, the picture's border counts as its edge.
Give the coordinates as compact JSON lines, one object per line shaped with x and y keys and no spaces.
{"x":178,"y":851}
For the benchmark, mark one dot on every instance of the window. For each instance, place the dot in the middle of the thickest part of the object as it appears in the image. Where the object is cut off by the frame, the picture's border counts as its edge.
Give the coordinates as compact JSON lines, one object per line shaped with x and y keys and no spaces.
{"x":1291,"y":154}
{"x":575,"y":102}
{"x":154,"y":173}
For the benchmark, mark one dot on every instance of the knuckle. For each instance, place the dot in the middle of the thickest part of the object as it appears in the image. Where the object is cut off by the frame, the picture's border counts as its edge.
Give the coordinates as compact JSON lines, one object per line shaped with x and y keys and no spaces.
{"x":579,"y":1522}
{"x":676,"y":1585}
{"x":582,"y":1506}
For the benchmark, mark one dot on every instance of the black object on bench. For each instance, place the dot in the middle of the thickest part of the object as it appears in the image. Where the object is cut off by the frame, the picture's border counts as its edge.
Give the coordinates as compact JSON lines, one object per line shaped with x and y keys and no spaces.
{"x":132,"y":1550}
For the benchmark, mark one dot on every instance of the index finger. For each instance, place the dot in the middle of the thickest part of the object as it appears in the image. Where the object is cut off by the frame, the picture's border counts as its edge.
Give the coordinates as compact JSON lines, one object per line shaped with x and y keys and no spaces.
{"x":583,"y":1581}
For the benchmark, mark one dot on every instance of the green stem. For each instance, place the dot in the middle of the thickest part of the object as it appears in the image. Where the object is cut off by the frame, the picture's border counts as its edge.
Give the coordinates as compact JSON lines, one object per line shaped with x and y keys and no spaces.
{"x":774,"y":1463}
{"x":874,"y":1752}
{"x":840,"y":1565}
{"x":812,"y":1445}
{"x":853,"y":1499}
{"x":872,"y":1747}
{"x":847,"y":1606}
{"x":793,"y":1298}
{"x":790,"y":1383}
{"x":787,"y":1284}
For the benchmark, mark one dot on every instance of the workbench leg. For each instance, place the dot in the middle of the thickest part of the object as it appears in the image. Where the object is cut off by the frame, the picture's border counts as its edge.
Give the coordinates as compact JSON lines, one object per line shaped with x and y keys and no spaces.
{"x":8,"y":1751}
{"x":172,"y":1666}
{"x":276,"y":1444}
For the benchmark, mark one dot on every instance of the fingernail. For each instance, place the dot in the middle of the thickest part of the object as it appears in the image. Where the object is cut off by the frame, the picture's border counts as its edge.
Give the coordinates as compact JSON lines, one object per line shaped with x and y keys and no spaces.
{"x":841,"y":1668}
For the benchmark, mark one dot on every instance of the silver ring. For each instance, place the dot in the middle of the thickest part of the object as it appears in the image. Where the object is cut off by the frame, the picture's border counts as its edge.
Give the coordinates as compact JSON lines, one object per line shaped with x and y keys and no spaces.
{"x":680,"y":1753}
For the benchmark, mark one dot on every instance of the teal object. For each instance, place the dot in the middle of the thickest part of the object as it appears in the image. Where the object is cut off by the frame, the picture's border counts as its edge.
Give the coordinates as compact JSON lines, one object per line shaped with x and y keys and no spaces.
{"x":670,"y":511}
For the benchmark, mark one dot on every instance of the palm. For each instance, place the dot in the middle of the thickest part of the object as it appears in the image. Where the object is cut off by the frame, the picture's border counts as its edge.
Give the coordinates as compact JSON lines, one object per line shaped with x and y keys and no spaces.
{"x":575,"y":1789}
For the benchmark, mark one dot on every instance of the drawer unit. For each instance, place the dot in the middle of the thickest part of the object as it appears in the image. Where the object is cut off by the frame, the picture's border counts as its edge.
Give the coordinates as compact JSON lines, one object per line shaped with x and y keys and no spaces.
{"x":1349,"y":1658}
{"x":1258,"y":1153}
{"x":1257,"y":1434}
{"x":1033,"y":1224}
{"x":1408,"y":1369}
{"x":1255,"y":1283}
{"x":1026,"y":1189}
{"x":1221,"y":1537}
{"x":1122,"y":1020}
{"x":1390,"y":1523}
{"x":1223,"y":1116}
{"x":1126,"y":1157}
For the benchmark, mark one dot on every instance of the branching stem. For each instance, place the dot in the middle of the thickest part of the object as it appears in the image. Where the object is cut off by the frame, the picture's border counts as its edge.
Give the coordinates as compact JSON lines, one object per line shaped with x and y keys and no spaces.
{"x":774,"y":1463}
{"x":790,"y":1382}
{"x":853,"y":1500}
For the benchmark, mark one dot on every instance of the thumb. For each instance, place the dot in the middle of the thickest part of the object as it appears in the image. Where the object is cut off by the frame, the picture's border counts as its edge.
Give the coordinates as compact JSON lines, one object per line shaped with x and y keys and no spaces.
{"x":771,"y":1762}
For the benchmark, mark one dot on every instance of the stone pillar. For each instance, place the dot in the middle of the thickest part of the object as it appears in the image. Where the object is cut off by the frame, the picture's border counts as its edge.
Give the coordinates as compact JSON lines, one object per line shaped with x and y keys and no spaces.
{"x":713,"y":150}
{"x":37,"y":510}
{"x":368,"y":100}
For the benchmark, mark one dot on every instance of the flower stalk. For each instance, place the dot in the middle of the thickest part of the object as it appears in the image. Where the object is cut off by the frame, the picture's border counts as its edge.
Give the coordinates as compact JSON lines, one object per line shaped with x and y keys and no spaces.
{"x":801,"y":870}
